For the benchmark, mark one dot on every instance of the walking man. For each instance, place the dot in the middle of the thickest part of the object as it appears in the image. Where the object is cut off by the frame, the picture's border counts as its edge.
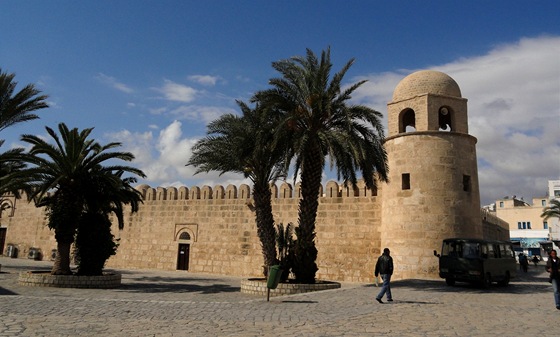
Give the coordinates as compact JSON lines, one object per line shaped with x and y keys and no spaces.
{"x":553,"y":267}
{"x":384,"y":267}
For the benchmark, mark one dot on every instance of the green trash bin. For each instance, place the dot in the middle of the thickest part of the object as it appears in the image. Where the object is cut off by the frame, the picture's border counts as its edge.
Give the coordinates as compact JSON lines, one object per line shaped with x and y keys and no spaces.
{"x":274,"y":274}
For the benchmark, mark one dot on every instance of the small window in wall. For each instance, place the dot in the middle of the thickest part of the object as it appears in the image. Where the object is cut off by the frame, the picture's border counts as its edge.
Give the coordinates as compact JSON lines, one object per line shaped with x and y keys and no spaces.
{"x":501,"y":204}
{"x":543,"y":203}
{"x":545,"y":225}
{"x":466,"y":183}
{"x":519,"y":225}
{"x":406,"y":181}
{"x":528,"y":224}
{"x":184,"y":236}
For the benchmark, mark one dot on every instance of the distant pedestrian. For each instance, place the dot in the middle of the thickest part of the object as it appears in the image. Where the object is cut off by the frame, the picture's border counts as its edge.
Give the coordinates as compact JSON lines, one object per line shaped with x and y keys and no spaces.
{"x":384,"y":267}
{"x":535,"y":260}
{"x":523,"y":262}
{"x":553,"y":267}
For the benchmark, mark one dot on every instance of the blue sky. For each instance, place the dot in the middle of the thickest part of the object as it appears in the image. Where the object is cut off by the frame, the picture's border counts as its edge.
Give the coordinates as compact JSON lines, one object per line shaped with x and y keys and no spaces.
{"x":152,"y":74}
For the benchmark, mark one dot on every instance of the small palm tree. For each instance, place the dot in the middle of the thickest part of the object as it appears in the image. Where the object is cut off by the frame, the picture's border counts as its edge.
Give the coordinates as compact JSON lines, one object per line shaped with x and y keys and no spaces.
{"x":62,"y":177}
{"x":552,"y":210}
{"x":244,"y":144}
{"x":317,"y":121}
{"x":285,"y":244}
{"x":106,"y":193}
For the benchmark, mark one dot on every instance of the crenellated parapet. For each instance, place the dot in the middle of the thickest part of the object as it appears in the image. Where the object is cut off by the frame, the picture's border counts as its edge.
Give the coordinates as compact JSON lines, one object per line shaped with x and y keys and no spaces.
{"x":283,"y":190}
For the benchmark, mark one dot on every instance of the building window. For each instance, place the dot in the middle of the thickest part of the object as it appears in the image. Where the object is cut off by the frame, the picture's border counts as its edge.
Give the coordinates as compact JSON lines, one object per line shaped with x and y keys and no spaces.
{"x":543,"y":203}
{"x":519,"y":225}
{"x":545,"y":225}
{"x":524,"y":225}
{"x":528,"y":224}
{"x":501,"y":204}
{"x":466,"y":183}
{"x":406,"y":181}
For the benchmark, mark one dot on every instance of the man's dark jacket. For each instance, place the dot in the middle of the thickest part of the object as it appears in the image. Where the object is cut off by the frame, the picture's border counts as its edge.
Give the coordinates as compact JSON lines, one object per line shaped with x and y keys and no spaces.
{"x":384,"y":265}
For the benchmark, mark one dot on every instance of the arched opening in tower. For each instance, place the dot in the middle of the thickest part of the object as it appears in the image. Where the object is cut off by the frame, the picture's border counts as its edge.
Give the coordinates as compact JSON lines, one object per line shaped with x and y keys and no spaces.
{"x":407,"y":121}
{"x":444,"y":119}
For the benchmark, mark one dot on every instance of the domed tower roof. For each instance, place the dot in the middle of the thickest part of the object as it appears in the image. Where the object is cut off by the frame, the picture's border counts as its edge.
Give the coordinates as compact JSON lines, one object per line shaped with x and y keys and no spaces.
{"x":426,"y":82}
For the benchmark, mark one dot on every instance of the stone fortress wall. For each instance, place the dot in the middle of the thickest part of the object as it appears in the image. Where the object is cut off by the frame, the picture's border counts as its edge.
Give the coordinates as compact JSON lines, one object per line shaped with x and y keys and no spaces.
{"x":221,"y":232}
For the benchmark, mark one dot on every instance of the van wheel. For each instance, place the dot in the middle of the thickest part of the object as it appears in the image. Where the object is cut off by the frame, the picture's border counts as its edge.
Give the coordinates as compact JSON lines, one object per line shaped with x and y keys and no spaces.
{"x":450,"y":281}
{"x":487,"y":281}
{"x":505,"y":281}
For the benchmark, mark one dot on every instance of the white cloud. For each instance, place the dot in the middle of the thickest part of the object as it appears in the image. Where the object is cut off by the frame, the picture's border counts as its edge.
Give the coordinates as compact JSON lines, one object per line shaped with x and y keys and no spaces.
{"x":513,"y":97}
{"x":114,"y":83}
{"x":177,"y":92}
{"x":163,"y":159}
{"x":204,"y":79}
{"x":158,"y":111}
{"x":204,"y":114}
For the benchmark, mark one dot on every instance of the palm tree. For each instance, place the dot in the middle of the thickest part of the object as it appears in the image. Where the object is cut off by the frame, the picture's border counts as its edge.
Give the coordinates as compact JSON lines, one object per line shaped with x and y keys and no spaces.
{"x":10,"y":164}
{"x":317,"y":122}
{"x":552,"y":210}
{"x":63,"y":174}
{"x":17,"y":108}
{"x":105,"y":193}
{"x":244,"y":145}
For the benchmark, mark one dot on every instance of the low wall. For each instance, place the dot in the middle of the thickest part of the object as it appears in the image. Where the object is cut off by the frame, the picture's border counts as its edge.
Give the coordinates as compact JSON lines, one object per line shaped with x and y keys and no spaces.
{"x":45,"y":279}
{"x":257,"y":286}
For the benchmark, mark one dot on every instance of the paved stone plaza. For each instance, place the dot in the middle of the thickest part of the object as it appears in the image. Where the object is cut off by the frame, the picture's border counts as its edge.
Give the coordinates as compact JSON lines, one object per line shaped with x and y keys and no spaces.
{"x":159,"y":303}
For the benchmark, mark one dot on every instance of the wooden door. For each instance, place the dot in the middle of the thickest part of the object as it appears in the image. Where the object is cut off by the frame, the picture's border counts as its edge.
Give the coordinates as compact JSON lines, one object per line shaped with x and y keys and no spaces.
{"x":183,"y":257}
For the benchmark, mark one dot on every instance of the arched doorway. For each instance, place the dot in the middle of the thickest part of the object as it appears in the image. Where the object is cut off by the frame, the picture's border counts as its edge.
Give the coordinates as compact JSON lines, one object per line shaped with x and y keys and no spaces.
{"x":183,"y":251}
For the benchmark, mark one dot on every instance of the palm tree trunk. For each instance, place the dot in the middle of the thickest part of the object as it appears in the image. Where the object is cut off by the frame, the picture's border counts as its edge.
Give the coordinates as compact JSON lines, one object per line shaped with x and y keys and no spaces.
{"x":265,"y":224}
{"x":305,"y":266}
{"x":61,"y":264}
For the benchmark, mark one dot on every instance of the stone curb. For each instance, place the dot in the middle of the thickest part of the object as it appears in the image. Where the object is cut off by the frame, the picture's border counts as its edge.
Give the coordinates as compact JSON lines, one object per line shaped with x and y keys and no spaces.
{"x":45,"y":279}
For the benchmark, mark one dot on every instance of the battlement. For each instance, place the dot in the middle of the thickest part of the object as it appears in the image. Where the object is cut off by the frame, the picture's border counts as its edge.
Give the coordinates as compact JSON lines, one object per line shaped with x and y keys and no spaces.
{"x":332,"y":189}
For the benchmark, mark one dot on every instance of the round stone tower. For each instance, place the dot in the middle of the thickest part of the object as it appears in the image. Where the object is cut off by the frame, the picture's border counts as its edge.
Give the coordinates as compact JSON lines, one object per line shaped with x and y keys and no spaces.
{"x":432,"y":192}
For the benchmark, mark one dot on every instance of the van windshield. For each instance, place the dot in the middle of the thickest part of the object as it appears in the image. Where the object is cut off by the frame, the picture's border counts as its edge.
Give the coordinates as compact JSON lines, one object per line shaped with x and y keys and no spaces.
{"x":461,"y":249}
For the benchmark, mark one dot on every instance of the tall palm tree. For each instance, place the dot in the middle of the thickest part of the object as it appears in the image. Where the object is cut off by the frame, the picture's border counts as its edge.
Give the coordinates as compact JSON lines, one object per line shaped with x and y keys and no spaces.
{"x":318,"y":122}
{"x":17,"y":107}
{"x":61,"y":177}
{"x":245,"y":145}
{"x":552,"y":210}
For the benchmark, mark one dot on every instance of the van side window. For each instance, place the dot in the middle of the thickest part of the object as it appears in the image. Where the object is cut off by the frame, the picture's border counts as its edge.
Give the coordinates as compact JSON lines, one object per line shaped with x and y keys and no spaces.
{"x":491,"y":253}
{"x":484,"y":251}
{"x":503,"y":250}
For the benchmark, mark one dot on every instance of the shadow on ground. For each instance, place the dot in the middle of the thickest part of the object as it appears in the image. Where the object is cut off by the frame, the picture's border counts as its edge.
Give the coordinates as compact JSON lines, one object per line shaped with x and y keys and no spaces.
{"x":534,"y":281}
{"x":6,"y":292}
{"x":175,"y":285}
